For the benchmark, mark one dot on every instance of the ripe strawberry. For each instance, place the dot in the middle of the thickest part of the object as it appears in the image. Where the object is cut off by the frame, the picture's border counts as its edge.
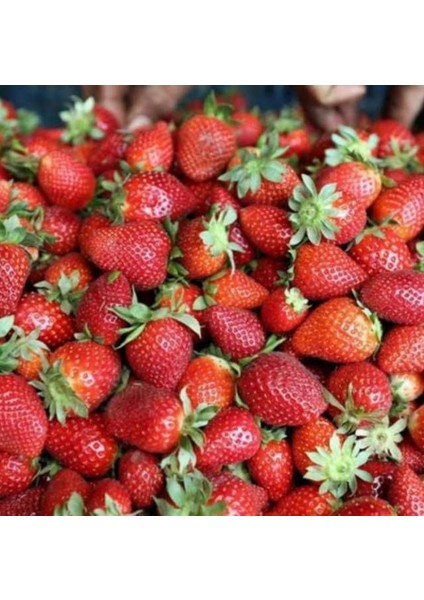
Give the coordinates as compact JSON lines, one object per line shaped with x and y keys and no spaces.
{"x":396,"y":297}
{"x":246,"y":253}
{"x":238,"y":333}
{"x":365,"y":506}
{"x":411,"y":455}
{"x":14,"y":272}
{"x":23,"y":422}
{"x":65,"y":181}
{"x":416,"y":427}
{"x":267,"y":228}
{"x":219,"y":197}
{"x":64,"y":226}
{"x":338,"y":331}
{"x":325,"y":271}
{"x":356,"y":181}
{"x":35,"y":311}
{"x":304,"y":501}
{"x":297,"y":141}
{"x":240,"y":498}
{"x":307,"y":438}
{"x":108,"y":498}
{"x":151,"y":148}
{"x":85,"y":119}
{"x":20,"y":193}
{"x":403,"y":204}
{"x":406,"y":492}
{"x":234,"y":289}
{"x":80,"y":377}
{"x":142,"y":477}
{"x":200,"y":189}
{"x":65,"y":495}
{"x":82,"y":444}
{"x":24,"y":504}
{"x":208,"y":380}
{"x":284,"y":310}
{"x":146,"y":417}
{"x":272,"y":465}
{"x":16,"y":473}
{"x":380,"y":249}
{"x":407,"y":387}
{"x":73,"y":267}
{"x":232,"y":436}
{"x":107,"y":153}
{"x":381,"y":473}
{"x":94,"y":311}
{"x":176,"y":296}
{"x":281,"y":391}
{"x":205,"y":143}
{"x":248,"y":128}
{"x":391,"y":132}
{"x":139,"y":250}
{"x":268,"y":272}
{"x":292,"y":133}
{"x":402,"y":350}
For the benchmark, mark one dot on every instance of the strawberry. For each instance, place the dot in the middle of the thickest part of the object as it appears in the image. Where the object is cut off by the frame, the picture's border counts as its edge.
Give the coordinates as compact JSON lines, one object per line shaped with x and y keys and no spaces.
{"x":65,"y":181}
{"x":208,"y":380}
{"x":63,"y":226}
{"x":365,"y":506}
{"x":307,"y":438}
{"x":246,"y":252}
{"x":107,"y":153}
{"x":142,"y":477}
{"x":406,"y":492}
{"x":178,"y":296}
{"x":24,"y":504}
{"x":407,"y":387}
{"x":240,"y":498}
{"x":14,"y":272}
{"x":267,"y":228}
{"x":205,"y":142}
{"x":292,"y":134}
{"x":338,"y":331}
{"x":108,"y":498}
{"x":304,"y":501}
{"x":139,"y":250}
{"x":325,"y":271}
{"x":16,"y":474}
{"x":22,"y":194}
{"x":217,"y":196}
{"x":82,"y":444}
{"x":85,"y":119}
{"x":284,"y":310}
{"x":381,"y":473}
{"x":94,"y":311}
{"x":268,"y":272}
{"x":151,"y":148}
{"x":280,"y":390}
{"x":248,"y":128}
{"x":403,"y":204}
{"x":411,"y":455}
{"x":23,"y":422}
{"x":416,"y":427}
{"x":397,"y":297}
{"x":272,"y":465}
{"x":80,"y":377}
{"x":238,"y":333}
{"x":231,"y":437}
{"x":356,"y":181}
{"x":65,"y":495}
{"x":72,"y":266}
{"x":389,"y":132}
{"x":234,"y":289}
{"x":402,"y":350}
{"x":380,"y":249}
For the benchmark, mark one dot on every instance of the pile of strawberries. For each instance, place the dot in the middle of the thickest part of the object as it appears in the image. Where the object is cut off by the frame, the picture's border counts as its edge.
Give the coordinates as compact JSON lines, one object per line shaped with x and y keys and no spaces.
{"x":223,"y":317}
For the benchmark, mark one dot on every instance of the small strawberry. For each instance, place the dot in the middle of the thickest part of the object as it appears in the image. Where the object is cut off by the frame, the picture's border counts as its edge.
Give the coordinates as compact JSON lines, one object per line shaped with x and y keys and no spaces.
{"x":406,"y":492}
{"x":356,"y":181}
{"x":16,"y":473}
{"x":107,"y":153}
{"x":292,"y":133}
{"x":307,"y":438}
{"x":381,"y":472}
{"x":325,"y":271}
{"x":240,"y":498}
{"x":365,"y":506}
{"x":268,"y":272}
{"x":82,"y":444}
{"x":234,"y":289}
{"x":24,"y":504}
{"x":180,"y":296}
{"x":248,"y":128}
{"x":19,"y":352}
{"x":416,"y":427}
{"x":407,"y":387}
{"x":14,"y":264}
{"x":338,"y":330}
{"x":304,"y":501}
{"x":23,"y":422}
{"x":380,"y":249}
{"x":85,"y":119}
{"x":267,"y":228}
{"x":140,"y":474}
{"x":108,"y":498}
{"x":63,"y":226}
{"x":284,"y":310}
{"x":72,"y":265}
{"x":208,"y":380}
{"x":402,"y":350}
{"x":389,"y":132}
{"x":281,"y":391}
{"x":219,"y":196}
{"x":65,"y":495}
{"x":151,"y":148}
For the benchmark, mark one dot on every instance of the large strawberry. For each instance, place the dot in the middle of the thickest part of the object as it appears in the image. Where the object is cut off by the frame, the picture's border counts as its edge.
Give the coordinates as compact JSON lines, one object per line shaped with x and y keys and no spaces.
{"x":65,"y":495}
{"x":208,"y":380}
{"x":151,"y":148}
{"x":303,"y":501}
{"x":406,"y":492}
{"x":16,"y":473}
{"x":402,"y":350}
{"x":140,"y":474}
{"x":379,"y":249}
{"x":356,"y":181}
{"x":365,"y":506}
{"x":281,"y":391}
{"x":267,"y":228}
{"x":308,"y":437}
{"x":23,"y":422}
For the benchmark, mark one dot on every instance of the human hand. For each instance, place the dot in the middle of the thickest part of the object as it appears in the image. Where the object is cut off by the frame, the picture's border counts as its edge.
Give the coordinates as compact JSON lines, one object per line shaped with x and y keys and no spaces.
{"x":404,"y":103}
{"x":329,"y":106}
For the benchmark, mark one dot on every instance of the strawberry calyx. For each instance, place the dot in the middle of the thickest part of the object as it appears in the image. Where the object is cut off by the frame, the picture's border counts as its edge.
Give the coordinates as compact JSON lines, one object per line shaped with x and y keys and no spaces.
{"x":65,"y":292}
{"x":20,"y":164}
{"x":339,"y":466}
{"x":376,"y":325}
{"x":74,"y":507}
{"x":18,"y":346}
{"x":172,"y":290}
{"x":349,"y":147}
{"x":296,"y":300}
{"x":175,"y":268}
{"x":289,"y":119}
{"x":272,"y":434}
{"x":420,"y":250}
{"x":25,"y":122}
{"x":216,"y":233}
{"x":404,"y":157}
{"x":401,"y":391}
{"x":219,"y":110}
{"x":12,"y":232}
{"x":313,"y":212}
{"x":351,"y":415}
{"x":381,"y":438}
{"x":80,"y":122}
{"x":112,"y":509}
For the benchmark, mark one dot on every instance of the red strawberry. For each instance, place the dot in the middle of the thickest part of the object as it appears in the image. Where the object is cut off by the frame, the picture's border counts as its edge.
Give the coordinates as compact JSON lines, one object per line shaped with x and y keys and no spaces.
{"x":416,"y":427}
{"x":402,"y":350}
{"x":14,"y":271}
{"x":292,"y":133}
{"x":411,"y":455}
{"x":308,"y":438}
{"x":139,"y":250}
{"x":267,"y":228}
{"x":241,"y":499}
{"x":356,"y":181}
{"x":65,"y":181}
{"x":396,"y":297}
{"x":108,"y":498}
{"x":23,"y":422}
{"x":268,"y":272}
{"x":24,"y":504}
{"x":80,"y":377}
{"x":238,"y":333}
{"x":231,"y":437}
{"x":391,"y":132}
{"x":338,"y":331}
{"x":380,"y":249}
{"x":234,"y":289}
{"x":65,"y":495}
{"x":304,"y":501}
{"x":219,"y":197}
{"x":64,"y":226}
{"x":248,"y":128}
{"x":406,"y":492}
{"x":84,"y":120}
{"x":281,"y":391}
{"x":272,"y":465}
{"x":180,"y":296}
{"x":382,"y":475}
{"x":407,"y":387}
{"x":82,"y":444}
{"x":208,"y":380}
{"x":16,"y":474}
{"x":365,"y":506}
{"x":20,"y":192}
{"x":95,"y":308}
{"x":151,"y":148}
{"x":284,"y":310}
{"x":73,"y":267}
{"x":141,"y":475}
{"x":246,"y":251}
{"x":107,"y":153}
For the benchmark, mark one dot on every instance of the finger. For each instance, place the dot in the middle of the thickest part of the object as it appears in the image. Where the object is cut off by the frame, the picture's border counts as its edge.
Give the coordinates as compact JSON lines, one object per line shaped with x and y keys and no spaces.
{"x":404,"y":103}
{"x":153,"y":102}
{"x":349,"y":112}
{"x":112,"y":97}
{"x":332,"y":95}
{"x":328,"y":119}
